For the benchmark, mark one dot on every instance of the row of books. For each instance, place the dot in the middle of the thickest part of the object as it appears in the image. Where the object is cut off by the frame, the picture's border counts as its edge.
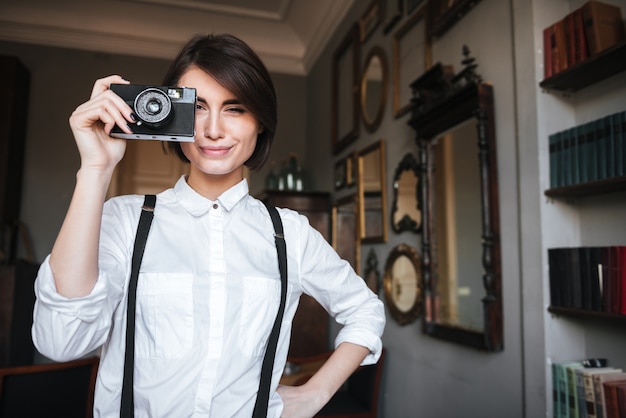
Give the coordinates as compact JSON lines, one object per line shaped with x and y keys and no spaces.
{"x":582,"y":33}
{"x":588,"y":278}
{"x":588,"y":388}
{"x":592,"y":151}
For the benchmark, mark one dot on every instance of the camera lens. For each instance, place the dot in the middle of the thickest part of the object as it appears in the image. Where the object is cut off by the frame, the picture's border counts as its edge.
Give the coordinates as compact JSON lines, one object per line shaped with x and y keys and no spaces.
{"x":153,"y":107}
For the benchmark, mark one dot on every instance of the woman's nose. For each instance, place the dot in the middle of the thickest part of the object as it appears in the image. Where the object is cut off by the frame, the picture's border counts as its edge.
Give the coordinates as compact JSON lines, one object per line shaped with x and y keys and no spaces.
{"x":212,"y":127}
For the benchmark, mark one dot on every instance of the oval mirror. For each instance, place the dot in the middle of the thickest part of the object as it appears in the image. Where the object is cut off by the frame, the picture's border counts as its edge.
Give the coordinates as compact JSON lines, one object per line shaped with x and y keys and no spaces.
{"x":403,"y":284}
{"x":405,"y":212}
{"x":374,"y":88}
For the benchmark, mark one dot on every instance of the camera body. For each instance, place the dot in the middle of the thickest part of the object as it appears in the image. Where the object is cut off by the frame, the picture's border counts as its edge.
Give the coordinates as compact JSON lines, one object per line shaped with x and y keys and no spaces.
{"x":163,"y":113}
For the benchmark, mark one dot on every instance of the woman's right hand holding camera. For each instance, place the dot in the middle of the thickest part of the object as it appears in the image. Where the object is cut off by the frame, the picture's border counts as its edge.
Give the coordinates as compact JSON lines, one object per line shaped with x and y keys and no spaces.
{"x":74,"y":256}
{"x":91,"y":124}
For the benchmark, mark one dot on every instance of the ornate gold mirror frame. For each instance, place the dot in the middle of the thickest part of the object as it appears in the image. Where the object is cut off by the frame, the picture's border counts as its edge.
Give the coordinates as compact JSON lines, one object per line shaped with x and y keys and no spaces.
{"x":374,"y":87}
{"x":406,"y":214}
{"x":372,"y":191}
{"x":402,"y":283}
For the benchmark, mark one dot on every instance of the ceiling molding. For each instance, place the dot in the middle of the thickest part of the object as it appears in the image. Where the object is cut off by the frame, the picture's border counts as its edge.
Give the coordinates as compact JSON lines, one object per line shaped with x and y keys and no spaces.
{"x":276,"y":12}
{"x":290,"y":46}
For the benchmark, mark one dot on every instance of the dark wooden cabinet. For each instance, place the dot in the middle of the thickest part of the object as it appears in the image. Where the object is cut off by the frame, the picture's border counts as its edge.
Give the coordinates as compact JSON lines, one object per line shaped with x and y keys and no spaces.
{"x":310,"y":326}
{"x":13,"y":116}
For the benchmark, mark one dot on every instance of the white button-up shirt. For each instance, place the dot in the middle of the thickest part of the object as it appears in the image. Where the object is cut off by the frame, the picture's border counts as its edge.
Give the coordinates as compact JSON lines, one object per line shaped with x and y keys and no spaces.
{"x":208,"y":294}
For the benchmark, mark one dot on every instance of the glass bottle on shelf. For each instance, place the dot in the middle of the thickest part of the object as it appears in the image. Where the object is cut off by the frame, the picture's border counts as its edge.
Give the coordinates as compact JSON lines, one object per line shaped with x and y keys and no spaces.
{"x":271,"y":180}
{"x":295,"y":181}
{"x":282,"y":176}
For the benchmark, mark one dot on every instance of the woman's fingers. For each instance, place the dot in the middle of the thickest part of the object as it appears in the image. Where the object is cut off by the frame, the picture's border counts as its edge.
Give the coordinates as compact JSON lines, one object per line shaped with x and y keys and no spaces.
{"x":106,"y":107}
{"x":103,"y":84}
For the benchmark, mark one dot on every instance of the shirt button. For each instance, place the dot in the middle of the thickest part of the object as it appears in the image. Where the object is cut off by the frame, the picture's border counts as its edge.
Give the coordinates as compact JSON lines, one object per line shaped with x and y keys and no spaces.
{"x":215,"y":206}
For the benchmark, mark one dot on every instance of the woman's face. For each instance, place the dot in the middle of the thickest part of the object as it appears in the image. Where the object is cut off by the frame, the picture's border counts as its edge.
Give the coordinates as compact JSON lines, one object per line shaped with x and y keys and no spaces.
{"x":226,"y":131}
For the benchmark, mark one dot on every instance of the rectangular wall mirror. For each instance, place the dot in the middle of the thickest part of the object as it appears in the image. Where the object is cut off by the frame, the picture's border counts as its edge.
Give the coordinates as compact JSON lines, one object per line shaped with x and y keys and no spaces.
{"x":372,"y":190}
{"x":345,"y":230}
{"x":455,"y":133}
{"x":345,"y":91}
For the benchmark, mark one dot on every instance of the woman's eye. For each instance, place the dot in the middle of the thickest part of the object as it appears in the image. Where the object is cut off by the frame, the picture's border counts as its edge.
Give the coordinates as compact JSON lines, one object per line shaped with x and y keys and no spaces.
{"x":236,"y":110}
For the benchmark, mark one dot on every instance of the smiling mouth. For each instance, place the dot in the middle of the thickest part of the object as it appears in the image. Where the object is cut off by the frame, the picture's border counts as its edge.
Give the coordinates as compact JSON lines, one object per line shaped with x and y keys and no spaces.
{"x":215,"y":151}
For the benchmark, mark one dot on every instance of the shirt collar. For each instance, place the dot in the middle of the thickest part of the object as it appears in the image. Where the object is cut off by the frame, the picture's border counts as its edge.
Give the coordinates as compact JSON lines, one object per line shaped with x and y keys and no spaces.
{"x":198,"y":205}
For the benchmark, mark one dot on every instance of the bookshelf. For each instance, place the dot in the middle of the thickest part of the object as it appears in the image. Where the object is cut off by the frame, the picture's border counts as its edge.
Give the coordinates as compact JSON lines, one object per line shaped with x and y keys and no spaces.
{"x":582,"y":211}
{"x":596,"y":68}
{"x":609,"y":185}
{"x":588,"y":74}
{"x":582,"y":313}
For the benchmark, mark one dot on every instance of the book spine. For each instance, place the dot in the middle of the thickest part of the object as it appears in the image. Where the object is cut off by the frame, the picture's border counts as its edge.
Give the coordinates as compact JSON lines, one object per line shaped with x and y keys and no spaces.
{"x":592,"y":167}
{"x":572,"y":391}
{"x":554,"y":276}
{"x":597,"y":390}
{"x":570,"y":39}
{"x":586,"y":275}
{"x":574,"y":277}
{"x":610,"y":400}
{"x":606,"y":279}
{"x":553,"y":153}
{"x":622,"y":134}
{"x":547,"y":52}
{"x":599,"y":134}
{"x":563,"y":391}
{"x":590,"y":404}
{"x":622,"y":283}
{"x":560,"y":46}
{"x":583,"y":154}
{"x":616,"y":277}
{"x":621,"y":399}
{"x":574,"y":156}
{"x":595,"y":275}
{"x":566,"y":153}
{"x":556,"y":403}
{"x":580,"y":394}
{"x":609,"y":159}
{"x":582,"y":53}
{"x":589,"y":29}
{"x":618,"y":145}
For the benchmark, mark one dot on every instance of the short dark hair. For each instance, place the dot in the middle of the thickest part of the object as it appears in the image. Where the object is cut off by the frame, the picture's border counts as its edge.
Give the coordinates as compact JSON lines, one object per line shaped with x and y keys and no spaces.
{"x":233,"y":64}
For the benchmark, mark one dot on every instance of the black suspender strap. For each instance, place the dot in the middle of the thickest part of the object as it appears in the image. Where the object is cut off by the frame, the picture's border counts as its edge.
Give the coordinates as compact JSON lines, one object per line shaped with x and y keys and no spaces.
{"x":261,"y":404}
{"x":262,"y":400}
{"x":147,"y":213}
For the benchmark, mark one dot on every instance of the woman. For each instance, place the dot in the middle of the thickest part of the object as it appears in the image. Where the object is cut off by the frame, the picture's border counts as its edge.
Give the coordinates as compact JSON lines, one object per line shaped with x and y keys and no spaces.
{"x":209,"y":285}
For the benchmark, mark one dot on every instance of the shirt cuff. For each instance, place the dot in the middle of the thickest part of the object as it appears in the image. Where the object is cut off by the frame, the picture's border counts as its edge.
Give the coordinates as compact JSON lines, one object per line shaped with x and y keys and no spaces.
{"x":86,"y":308}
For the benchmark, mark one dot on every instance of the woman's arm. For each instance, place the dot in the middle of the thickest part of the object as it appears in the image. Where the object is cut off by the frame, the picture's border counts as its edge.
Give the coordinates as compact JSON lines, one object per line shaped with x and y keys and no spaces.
{"x":74,"y":256}
{"x":306,"y":400}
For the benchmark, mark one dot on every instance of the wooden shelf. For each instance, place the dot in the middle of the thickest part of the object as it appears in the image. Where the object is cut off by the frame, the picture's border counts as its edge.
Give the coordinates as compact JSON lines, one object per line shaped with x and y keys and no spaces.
{"x":605,"y":64}
{"x":582,"y":313}
{"x":613,"y":184}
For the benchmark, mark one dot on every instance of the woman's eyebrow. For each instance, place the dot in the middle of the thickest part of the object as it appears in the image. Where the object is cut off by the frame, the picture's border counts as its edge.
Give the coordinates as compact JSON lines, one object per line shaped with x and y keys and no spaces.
{"x":226,"y":102}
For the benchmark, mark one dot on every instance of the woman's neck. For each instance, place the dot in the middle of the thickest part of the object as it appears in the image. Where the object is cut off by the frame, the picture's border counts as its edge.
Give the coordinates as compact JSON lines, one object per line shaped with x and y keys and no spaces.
{"x":212,"y":186}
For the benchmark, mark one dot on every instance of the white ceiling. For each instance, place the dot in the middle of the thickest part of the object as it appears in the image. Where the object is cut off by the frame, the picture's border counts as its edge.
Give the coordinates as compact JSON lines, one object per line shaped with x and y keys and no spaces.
{"x":289,"y":35}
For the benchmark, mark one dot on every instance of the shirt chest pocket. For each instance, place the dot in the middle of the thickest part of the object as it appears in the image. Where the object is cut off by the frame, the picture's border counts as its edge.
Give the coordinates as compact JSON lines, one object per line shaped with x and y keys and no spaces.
{"x":261,"y":298}
{"x":164,"y":322}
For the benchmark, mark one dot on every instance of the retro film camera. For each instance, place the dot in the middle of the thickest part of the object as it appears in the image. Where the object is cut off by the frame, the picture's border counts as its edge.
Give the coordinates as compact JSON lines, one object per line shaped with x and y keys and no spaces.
{"x":163,"y":113}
